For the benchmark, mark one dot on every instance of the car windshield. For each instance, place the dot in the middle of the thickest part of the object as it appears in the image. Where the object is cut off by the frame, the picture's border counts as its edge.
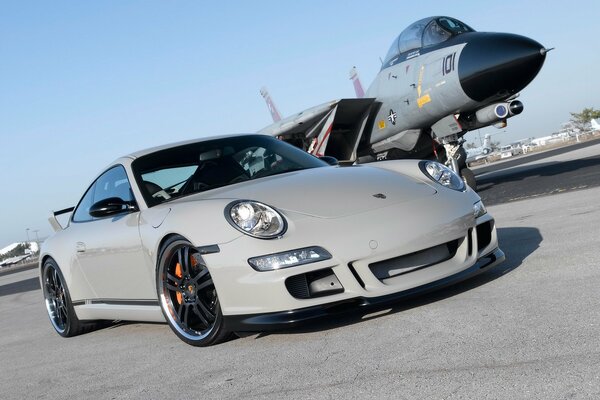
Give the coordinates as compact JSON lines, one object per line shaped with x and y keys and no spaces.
{"x":201,"y":166}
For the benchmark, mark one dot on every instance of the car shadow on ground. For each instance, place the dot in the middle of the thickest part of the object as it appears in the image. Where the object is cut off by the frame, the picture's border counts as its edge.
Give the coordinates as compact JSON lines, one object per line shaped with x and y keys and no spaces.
{"x":518,"y":243}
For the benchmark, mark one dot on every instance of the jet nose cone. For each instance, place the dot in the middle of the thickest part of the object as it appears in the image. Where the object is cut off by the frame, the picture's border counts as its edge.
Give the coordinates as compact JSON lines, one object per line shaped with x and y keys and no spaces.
{"x":496,"y":65}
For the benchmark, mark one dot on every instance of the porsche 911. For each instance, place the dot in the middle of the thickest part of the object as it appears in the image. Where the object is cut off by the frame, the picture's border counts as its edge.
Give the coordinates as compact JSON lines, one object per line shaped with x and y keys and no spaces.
{"x":248,"y":233}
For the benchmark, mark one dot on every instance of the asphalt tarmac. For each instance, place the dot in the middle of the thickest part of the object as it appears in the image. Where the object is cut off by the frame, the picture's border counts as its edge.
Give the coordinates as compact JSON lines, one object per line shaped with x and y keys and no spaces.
{"x":528,"y":329}
{"x":560,"y":170}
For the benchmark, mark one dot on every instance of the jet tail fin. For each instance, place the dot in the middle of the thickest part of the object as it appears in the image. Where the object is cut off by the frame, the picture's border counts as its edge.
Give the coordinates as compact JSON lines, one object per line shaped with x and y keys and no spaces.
{"x":487,"y":142}
{"x":360,"y":93}
{"x":595,"y":124}
{"x":272,"y":109}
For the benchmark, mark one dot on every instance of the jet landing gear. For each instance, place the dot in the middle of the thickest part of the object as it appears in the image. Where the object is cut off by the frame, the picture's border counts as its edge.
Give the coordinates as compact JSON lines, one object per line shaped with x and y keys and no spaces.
{"x":469,"y":178}
{"x":456,"y":158}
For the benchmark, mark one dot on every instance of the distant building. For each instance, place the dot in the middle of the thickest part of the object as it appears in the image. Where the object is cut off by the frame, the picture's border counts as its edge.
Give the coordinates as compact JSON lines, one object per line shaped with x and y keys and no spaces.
{"x":542,"y":141}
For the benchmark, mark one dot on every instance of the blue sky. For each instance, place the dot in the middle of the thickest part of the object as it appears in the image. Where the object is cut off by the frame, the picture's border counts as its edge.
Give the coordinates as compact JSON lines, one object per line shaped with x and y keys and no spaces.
{"x":82,"y":83}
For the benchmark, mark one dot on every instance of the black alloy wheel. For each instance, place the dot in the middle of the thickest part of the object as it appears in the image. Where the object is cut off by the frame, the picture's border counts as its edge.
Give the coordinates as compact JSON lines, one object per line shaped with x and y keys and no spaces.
{"x":58,"y":302}
{"x":187,"y":294}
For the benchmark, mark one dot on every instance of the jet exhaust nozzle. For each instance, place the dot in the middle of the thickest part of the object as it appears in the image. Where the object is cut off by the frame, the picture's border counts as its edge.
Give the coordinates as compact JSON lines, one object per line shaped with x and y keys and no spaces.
{"x":515,"y":107}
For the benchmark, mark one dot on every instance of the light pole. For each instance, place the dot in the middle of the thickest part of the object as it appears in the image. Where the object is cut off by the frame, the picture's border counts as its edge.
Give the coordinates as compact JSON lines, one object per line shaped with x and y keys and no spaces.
{"x":27,"y":231}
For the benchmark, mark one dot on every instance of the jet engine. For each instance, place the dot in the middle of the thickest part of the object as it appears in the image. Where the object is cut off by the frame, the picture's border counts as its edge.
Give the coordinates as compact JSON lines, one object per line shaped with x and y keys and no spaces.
{"x":492,"y":114}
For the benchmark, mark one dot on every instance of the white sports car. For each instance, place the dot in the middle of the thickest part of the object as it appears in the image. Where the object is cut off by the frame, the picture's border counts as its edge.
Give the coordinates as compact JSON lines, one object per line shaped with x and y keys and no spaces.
{"x":248,"y":233}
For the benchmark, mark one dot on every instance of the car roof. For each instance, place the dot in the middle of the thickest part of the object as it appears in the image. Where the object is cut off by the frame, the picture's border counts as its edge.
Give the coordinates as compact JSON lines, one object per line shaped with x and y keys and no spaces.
{"x":151,"y":150}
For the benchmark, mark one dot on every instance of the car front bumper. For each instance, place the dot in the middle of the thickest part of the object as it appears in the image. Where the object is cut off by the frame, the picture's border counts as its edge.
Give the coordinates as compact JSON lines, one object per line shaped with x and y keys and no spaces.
{"x":370,"y":259}
{"x":293,"y":318}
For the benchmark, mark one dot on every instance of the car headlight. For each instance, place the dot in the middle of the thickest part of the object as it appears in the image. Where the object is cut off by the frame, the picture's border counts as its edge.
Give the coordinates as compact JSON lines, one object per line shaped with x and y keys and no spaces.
{"x":255,"y":219}
{"x":290,"y":258}
{"x":442,"y":175}
{"x":479,"y":209}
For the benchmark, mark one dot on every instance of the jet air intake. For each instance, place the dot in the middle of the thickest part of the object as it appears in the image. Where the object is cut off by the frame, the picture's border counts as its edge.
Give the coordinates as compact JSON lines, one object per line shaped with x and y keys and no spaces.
{"x":492,"y":113}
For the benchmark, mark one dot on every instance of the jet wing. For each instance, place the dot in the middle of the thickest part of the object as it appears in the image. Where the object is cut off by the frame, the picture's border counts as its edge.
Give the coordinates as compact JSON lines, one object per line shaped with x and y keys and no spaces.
{"x":333,"y":128}
{"x":298,"y":123}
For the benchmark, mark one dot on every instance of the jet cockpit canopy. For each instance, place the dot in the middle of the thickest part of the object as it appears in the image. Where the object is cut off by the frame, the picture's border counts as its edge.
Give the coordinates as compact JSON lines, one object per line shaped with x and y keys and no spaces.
{"x":424,"y":33}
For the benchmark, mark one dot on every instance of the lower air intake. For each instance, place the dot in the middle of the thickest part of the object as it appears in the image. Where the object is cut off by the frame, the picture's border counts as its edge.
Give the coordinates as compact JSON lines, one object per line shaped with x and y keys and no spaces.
{"x":314,"y":284}
{"x":414,"y":261}
{"x":484,"y":234}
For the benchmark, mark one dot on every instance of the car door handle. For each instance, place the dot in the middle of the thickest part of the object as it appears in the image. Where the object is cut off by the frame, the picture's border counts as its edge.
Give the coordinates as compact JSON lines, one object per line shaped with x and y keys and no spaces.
{"x":80,"y":247}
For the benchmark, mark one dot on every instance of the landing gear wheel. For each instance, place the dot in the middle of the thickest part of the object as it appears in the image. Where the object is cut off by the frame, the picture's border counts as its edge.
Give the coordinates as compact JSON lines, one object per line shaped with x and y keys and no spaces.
{"x":187,"y":295}
{"x":469,"y":178}
{"x":58,"y":303}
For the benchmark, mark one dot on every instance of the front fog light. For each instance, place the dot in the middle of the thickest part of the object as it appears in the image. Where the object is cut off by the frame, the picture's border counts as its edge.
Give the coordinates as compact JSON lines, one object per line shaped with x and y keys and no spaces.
{"x":290,"y":258}
{"x":479,"y":209}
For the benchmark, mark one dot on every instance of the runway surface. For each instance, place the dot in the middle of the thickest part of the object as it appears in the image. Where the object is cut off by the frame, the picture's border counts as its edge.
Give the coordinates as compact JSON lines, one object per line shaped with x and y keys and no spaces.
{"x":528,"y":329}
{"x":560,"y":170}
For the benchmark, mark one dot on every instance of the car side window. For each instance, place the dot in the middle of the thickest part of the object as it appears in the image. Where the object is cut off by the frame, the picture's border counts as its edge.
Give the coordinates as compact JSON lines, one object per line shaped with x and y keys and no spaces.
{"x":82,"y":212}
{"x":112,"y":183}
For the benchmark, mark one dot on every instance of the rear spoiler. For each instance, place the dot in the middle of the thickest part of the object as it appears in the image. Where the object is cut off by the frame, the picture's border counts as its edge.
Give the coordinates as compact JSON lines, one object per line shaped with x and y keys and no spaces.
{"x":54,"y":222}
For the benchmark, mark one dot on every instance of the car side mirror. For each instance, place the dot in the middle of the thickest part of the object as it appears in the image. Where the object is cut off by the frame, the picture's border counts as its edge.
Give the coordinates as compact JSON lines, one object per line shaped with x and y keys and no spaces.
{"x":110,"y":206}
{"x":330,"y":160}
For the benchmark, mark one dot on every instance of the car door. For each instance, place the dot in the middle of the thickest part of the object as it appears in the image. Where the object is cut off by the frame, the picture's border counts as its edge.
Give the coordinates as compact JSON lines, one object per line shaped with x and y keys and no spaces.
{"x":109,"y":250}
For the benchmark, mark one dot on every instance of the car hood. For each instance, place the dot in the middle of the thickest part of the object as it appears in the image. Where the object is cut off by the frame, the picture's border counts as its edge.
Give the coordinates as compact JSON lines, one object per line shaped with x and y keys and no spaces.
{"x":327,"y":192}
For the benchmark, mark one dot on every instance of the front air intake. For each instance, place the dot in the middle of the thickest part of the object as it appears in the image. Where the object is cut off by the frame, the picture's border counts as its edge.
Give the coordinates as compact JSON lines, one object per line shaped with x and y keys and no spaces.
{"x":415,"y":261}
{"x":484,"y":234}
{"x":314,"y":284}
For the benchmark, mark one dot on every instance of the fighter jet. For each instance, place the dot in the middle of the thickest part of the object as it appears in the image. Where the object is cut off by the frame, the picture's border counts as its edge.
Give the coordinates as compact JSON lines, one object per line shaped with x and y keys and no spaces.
{"x":479,"y":153}
{"x":439,"y":80}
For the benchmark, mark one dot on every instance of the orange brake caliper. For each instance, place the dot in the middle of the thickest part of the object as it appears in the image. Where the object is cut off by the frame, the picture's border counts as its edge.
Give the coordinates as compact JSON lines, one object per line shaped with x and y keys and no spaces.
{"x":179,"y":275}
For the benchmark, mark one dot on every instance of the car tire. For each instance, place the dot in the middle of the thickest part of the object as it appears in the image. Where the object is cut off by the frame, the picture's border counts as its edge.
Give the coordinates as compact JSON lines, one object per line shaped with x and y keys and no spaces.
{"x":58,"y":302}
{"x":187,"y":295}
{"x":469,"y":178}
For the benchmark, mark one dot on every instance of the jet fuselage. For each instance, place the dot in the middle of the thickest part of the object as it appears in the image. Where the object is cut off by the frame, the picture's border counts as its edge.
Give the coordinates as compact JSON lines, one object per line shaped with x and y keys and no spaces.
{"x":456,"y":79}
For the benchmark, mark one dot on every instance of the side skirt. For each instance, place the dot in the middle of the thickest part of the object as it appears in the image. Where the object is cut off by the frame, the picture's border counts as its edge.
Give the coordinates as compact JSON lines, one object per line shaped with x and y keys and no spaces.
{"x":115,"y":309}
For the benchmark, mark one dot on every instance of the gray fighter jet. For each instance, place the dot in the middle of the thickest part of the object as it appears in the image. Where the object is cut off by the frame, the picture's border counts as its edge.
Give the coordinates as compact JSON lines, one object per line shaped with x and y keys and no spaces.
{"x":479,"y":153}
{"x":439,"y":80}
